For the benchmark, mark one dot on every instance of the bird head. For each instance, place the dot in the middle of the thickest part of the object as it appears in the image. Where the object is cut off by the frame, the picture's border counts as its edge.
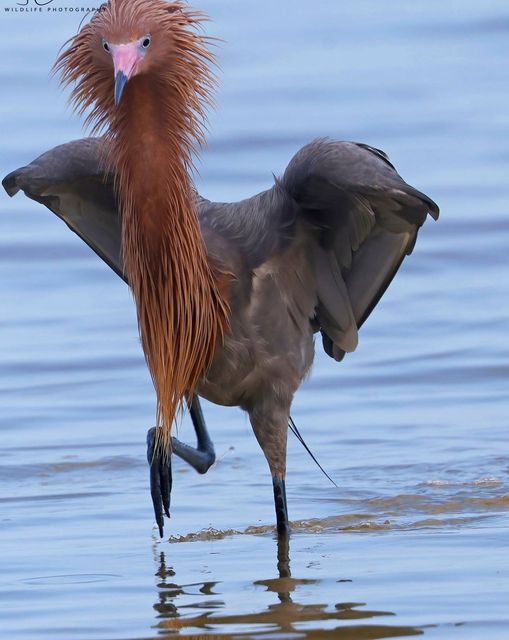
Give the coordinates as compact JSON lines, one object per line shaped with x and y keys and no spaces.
{"x":128,"y":59}
{"x":129,"y":39}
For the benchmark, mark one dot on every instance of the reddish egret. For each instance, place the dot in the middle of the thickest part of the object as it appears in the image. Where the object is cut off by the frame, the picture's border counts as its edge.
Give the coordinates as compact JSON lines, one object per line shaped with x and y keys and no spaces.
{"x":228,"y":296}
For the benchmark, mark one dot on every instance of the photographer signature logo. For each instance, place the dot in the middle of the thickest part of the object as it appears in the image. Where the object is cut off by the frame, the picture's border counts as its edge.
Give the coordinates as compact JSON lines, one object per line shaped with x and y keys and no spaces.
{"x":48,"y":6}
{"x":39,"y":3}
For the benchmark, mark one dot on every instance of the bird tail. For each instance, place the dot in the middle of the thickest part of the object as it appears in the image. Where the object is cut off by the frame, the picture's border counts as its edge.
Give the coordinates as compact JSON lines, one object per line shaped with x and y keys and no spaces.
{"x":297,"y":434}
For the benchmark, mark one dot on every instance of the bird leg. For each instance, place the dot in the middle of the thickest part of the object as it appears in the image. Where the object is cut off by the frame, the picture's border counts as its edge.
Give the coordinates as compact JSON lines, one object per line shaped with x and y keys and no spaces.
{"x":271,"y":430}
{"x":283,"y":556}
{"x":200,"y":458}
{"x":160,"y":479}
{"x":280,"y":504}
{"x":203,"y":456}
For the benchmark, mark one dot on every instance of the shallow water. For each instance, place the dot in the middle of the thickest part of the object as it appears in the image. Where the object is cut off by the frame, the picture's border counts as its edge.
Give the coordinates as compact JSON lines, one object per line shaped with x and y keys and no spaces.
{"x":412,"y":427}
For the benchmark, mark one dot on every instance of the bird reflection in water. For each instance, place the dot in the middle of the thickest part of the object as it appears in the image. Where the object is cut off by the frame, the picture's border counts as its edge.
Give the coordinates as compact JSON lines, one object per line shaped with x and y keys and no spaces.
{"x":285,"y":615}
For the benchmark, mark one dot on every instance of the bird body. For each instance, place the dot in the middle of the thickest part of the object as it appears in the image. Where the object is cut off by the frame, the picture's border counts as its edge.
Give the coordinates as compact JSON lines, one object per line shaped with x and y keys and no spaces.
{"x":229,"y":295}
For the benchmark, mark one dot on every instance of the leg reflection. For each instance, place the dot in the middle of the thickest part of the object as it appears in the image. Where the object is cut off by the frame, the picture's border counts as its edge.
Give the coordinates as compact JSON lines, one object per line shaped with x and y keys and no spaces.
{"x":323,"y":608}
{"x":283,"y":555}
{"x":166,"y":590}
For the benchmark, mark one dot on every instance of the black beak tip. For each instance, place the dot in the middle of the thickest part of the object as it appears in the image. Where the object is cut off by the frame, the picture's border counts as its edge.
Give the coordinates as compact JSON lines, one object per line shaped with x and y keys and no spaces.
{"x":120,"y":82}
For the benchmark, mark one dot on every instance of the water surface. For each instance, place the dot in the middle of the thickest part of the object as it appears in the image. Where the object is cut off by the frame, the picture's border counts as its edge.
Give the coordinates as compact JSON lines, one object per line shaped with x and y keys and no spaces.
{"x":412,"y":427}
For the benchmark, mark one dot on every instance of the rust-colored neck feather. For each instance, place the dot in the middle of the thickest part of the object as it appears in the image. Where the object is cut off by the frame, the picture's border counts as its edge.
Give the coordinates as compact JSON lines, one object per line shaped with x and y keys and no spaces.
{"x":150,"y":136}
{"x":181,"y":313}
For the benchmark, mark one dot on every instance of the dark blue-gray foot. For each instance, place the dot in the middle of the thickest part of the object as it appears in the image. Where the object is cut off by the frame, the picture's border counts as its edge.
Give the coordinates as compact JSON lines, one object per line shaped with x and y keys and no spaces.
{"x":200,"y":458}
{"x":160,"y":479}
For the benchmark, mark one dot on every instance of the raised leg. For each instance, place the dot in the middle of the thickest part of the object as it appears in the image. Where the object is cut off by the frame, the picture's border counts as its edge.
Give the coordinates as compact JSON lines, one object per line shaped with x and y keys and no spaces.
{"x":271,"y":430}
{"x":203,"y":456}
{"x":200,"y":458}
{"x":160,"y":479}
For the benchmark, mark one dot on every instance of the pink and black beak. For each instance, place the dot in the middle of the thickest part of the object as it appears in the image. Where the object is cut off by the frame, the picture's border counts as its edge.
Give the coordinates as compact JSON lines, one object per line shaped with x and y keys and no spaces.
{"x":120,"y":82}
{"x":125,"y":60}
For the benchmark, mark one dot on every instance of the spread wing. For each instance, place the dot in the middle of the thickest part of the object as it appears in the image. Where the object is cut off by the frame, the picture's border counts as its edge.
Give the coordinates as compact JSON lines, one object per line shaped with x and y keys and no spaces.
{"x":362,"y":219}
{"x":69,"y":181}
{"x":366,"y":219}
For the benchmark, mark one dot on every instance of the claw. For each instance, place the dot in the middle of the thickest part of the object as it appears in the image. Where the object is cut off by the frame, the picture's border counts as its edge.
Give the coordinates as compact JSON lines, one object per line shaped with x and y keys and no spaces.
{"x":165,"y":478}
{"x":155,"y":492}
{"x":160,"y":480}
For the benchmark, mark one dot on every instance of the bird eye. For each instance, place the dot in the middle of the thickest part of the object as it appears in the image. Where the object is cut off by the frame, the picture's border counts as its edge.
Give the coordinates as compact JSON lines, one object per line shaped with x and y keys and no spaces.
{"x":106,"y":46}
{"x":146,"y":42}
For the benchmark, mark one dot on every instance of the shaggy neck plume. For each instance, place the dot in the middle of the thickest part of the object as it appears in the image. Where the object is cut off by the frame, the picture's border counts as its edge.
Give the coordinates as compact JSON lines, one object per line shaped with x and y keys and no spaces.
{"x":181,"y":312}
{"x":180,"y":300}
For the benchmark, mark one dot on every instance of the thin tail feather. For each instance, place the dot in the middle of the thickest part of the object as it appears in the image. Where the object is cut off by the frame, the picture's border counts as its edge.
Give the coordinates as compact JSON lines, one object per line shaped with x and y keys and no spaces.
{"x":297,"y":434}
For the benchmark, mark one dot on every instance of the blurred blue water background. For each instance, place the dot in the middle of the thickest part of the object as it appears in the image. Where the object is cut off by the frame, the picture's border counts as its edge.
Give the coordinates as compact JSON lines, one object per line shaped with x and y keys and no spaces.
{"x":413,"y":426}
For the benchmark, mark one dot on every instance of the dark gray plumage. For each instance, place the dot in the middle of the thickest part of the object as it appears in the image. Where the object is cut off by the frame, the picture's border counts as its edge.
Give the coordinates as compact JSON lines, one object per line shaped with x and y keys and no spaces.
{"x":313,"y":253}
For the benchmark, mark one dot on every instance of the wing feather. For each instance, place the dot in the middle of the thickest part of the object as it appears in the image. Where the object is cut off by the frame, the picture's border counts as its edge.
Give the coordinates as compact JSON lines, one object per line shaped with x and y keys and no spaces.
{"x":70,"y":182}
{"x":362,"y":220}
{"x":334,"y":306}
{"x":365,"y":218}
